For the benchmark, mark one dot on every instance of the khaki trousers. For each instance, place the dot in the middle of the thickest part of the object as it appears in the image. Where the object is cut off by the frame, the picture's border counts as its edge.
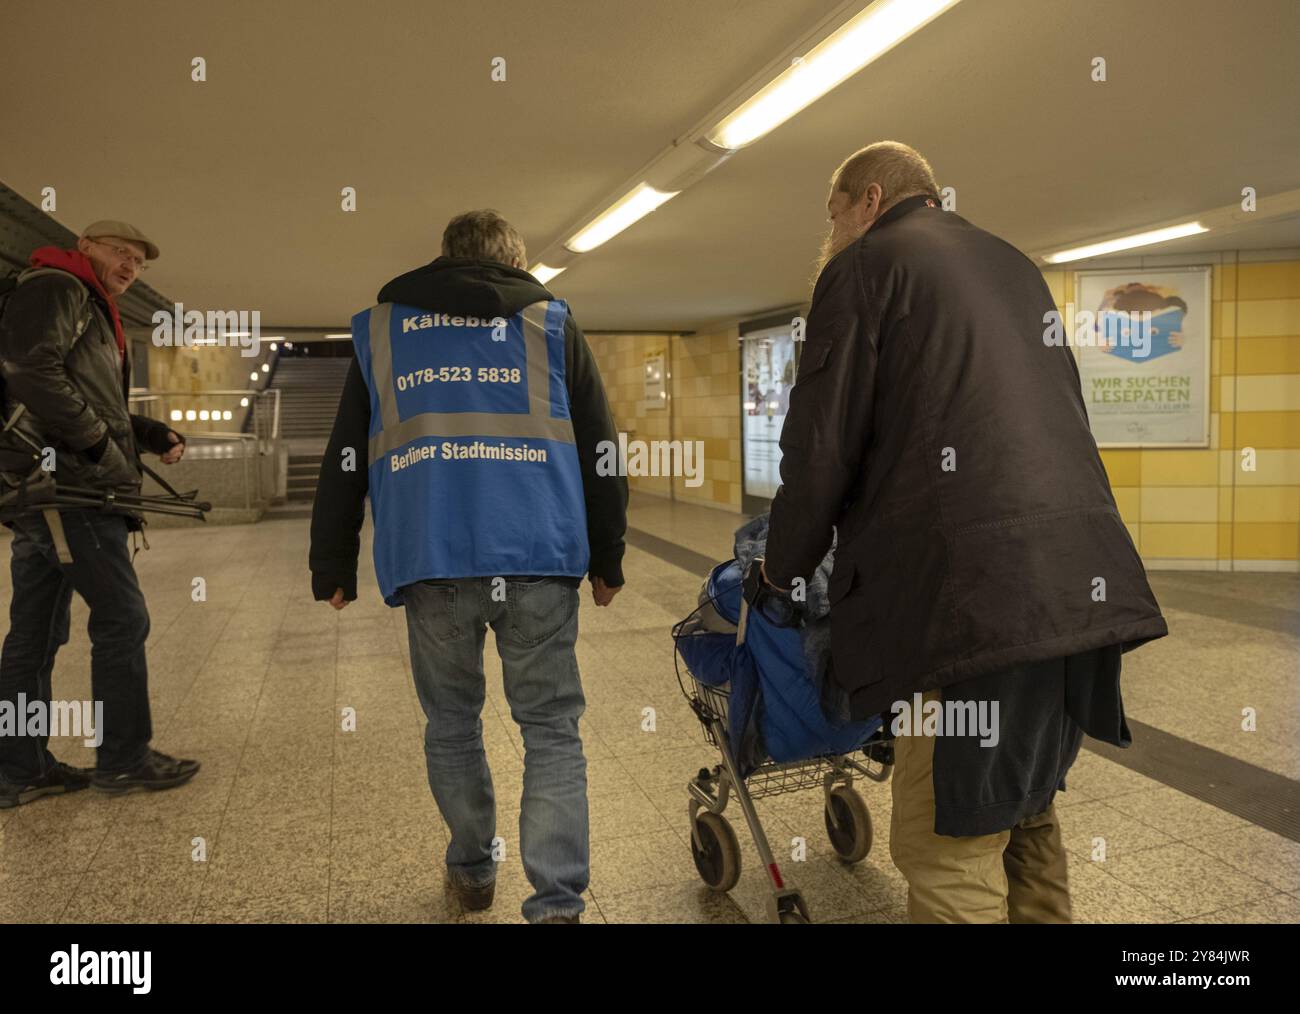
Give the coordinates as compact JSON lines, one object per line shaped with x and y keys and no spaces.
{"x":1017,"y":875}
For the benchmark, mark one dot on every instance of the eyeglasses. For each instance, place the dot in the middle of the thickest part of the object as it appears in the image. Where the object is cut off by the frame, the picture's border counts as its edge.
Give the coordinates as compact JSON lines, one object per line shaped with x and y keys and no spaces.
{"x":126,"y":254}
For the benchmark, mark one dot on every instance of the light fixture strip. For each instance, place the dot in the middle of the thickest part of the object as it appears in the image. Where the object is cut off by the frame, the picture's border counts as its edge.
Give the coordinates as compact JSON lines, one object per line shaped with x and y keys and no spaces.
{"x":1128,"y":242}
{"x":866,"y":36}
{"x":631,"y":207}
{"x":544,"y":273}
{"x":831,"y":60}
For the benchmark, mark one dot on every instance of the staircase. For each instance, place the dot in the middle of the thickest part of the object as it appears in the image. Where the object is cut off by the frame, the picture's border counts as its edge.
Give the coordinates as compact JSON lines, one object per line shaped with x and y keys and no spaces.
{"x":309,"y":399}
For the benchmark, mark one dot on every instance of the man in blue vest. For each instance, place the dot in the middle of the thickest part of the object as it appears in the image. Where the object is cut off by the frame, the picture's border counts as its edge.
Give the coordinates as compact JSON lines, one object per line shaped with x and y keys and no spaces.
{"x":472,"y":416}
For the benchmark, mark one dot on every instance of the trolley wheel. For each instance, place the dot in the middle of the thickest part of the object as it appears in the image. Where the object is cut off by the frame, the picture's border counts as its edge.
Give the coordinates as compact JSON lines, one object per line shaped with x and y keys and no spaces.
{"x":717,"y":858}
{"x":851,"y":839}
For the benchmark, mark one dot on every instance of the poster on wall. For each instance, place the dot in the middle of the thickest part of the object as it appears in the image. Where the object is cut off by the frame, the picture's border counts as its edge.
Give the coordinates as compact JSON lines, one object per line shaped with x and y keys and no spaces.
{"x":768,"y":365}
{"x":1142,"y":340}
{"x":655,"y":388}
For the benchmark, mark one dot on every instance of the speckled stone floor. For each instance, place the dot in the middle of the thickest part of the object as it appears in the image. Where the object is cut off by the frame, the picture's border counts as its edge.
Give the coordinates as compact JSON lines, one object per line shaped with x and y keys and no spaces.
{"x":297,"y":820}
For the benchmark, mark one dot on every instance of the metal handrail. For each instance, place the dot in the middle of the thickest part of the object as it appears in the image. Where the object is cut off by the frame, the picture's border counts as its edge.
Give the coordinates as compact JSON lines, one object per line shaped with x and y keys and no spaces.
{"x":222,"y":435}
{"x":142,"y":392}
{"x":141,"y":397}
{"x":275,"y":413}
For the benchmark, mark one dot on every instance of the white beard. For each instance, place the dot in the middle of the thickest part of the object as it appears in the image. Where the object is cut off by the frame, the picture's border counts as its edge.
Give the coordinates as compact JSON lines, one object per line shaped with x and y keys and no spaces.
{"x":829,"y":249}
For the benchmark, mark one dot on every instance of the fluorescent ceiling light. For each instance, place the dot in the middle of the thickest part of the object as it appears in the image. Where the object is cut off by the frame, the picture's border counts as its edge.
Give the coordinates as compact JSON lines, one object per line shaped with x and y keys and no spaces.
{"x":544,"y":274}
{"x":1126,"y":242}
{"x":833,"y":60}
{"x":631,"y":207}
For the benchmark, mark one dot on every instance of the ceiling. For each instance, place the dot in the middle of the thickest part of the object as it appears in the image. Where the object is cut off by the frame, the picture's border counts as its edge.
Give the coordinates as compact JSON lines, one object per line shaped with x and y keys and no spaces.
{"x":238,"y":178}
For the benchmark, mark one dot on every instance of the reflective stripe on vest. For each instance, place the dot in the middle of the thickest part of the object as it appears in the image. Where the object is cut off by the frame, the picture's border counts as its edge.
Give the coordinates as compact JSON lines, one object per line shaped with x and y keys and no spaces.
{"x":396,"y":432}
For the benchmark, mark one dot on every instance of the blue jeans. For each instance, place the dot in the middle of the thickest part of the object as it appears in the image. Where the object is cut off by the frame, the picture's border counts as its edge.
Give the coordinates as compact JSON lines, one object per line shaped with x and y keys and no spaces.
{"x":101,"y":573}
{"x":535,"y":620}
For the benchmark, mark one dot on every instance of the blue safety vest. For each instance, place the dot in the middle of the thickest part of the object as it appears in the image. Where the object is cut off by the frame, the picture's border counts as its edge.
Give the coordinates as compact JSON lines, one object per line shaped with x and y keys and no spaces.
{"x":473,"y":463}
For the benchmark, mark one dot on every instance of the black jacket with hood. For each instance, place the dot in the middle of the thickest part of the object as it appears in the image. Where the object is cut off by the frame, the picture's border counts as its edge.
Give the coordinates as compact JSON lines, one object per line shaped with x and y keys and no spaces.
{"x":471,"y":288}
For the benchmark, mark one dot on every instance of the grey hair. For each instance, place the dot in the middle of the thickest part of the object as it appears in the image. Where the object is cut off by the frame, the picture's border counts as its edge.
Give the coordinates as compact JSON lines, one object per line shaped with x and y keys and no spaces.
{"x":484,"y":235}
{"x":900,"y":170}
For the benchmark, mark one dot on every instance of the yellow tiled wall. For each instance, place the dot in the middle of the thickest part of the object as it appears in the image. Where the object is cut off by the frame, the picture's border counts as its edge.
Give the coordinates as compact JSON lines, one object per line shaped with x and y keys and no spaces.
{"x":703,"y":405}
{"x":1201,"y":509}
{"x":173,"y":369}
{"x":197,"y":370}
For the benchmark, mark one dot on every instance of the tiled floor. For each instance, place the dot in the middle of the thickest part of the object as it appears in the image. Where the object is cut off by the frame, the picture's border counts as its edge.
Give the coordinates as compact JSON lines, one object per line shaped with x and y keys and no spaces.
{"x":294,"y":819}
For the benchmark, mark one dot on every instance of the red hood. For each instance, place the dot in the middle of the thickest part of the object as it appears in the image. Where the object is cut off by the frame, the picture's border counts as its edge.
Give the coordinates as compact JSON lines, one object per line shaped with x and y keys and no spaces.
{"x":77,"y":263}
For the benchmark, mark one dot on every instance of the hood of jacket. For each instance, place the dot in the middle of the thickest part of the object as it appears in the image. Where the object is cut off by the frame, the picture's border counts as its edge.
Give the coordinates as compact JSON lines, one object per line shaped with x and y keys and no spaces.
{"x":77,"y":263}
{"x":471,"y":287}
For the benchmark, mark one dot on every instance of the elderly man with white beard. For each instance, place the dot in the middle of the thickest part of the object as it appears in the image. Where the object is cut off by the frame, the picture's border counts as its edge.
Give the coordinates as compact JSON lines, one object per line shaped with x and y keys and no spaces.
{"x":981,"y":566}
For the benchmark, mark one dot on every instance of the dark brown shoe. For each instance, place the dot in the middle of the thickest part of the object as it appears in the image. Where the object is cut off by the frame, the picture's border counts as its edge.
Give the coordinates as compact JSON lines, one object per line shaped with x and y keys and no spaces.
{"x":59,"y":779}
{"x":472,"y":897}
{"x":156,"y":771}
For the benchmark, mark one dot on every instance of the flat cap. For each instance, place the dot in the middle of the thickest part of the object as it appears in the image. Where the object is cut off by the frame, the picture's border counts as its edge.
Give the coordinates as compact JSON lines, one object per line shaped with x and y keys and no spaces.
{"x":122,"y":230}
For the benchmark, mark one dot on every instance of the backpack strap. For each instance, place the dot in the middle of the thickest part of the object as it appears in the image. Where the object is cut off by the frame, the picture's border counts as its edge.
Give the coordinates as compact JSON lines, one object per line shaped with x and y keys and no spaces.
{"x":56,"y":534}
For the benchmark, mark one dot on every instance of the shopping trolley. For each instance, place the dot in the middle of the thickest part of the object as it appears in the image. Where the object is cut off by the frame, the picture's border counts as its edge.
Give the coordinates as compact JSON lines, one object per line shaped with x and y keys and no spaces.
{"x":715,"y":848}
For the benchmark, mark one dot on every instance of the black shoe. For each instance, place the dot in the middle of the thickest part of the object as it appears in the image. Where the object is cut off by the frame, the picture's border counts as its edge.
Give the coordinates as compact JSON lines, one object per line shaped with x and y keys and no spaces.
{"x":156,"y":771}
{"x":572,"y":920}
{"x":59,"y":779}
{"x":472,"y":897}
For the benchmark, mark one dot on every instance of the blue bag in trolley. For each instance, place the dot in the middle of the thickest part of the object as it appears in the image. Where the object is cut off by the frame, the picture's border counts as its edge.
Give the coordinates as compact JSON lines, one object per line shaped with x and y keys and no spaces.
{"x":760,"y":687}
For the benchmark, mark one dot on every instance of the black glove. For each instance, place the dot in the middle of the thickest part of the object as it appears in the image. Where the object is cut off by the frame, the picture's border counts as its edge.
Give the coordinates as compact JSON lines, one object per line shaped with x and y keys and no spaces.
{"x":323,"y":585}
{"x":776,"y":606}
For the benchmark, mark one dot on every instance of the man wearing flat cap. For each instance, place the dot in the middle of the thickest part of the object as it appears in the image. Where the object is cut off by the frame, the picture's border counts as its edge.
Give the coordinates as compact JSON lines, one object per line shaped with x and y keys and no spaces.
{"x":66,"y":373}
